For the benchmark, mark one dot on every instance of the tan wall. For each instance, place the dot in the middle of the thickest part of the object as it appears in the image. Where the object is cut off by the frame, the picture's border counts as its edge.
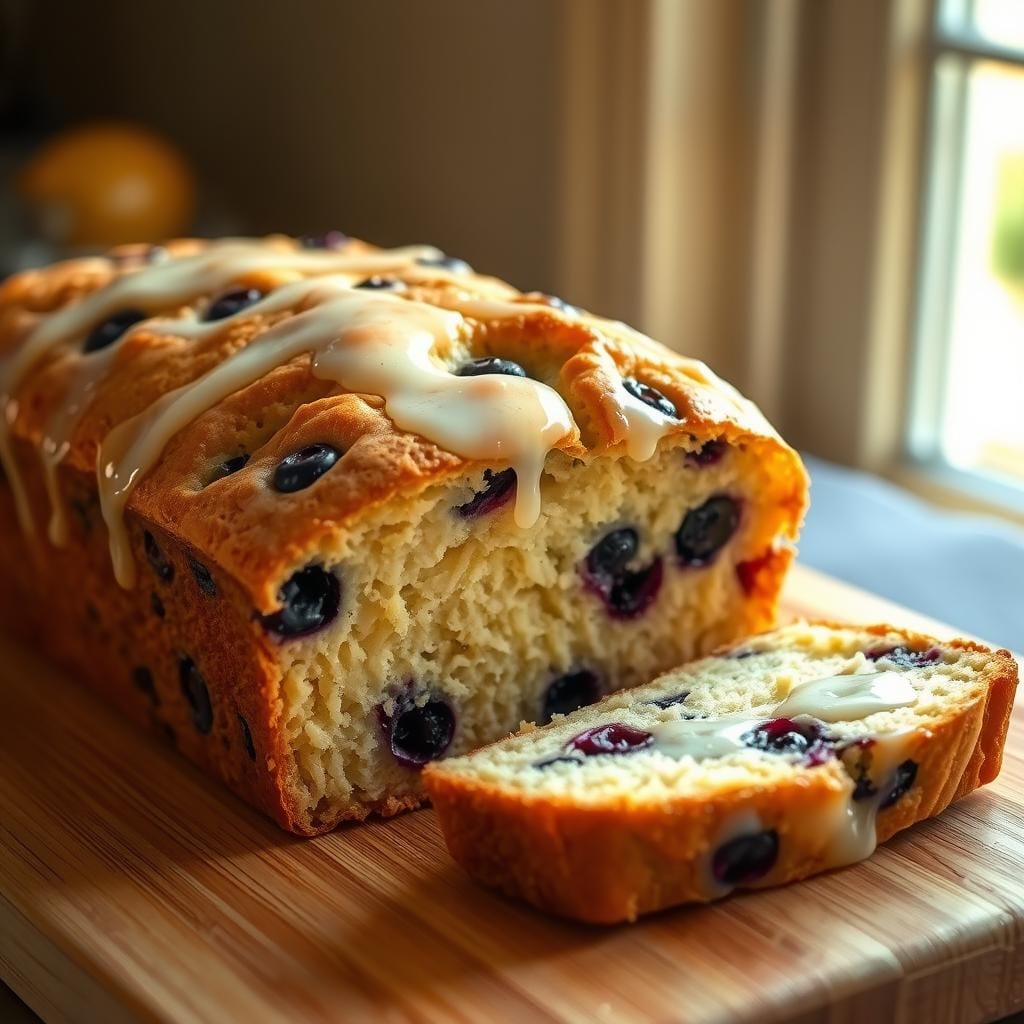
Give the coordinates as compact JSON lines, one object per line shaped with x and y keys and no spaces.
{"x":396,"y":120}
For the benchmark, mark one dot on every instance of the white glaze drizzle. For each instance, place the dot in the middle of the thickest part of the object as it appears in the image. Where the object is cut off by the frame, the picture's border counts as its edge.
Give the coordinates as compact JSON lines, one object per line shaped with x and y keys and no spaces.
{"x":843,"y":698}
{"x":369,"y":343}
{"x":847,"y":698}
{"x":149,"y":287}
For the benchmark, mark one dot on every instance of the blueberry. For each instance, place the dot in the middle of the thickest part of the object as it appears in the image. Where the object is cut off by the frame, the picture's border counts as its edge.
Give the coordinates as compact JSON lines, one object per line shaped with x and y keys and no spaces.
{"x":142,"y":679}
{"x":904,"y":657}
{"x":299,"y":470}
{"x":569,"y":693}
{"x":669,"y":702}
{"x":203,"y":578}
{"x":328,"y":240}
{"x":378,"y":283}
{"x":746,"y":858}
{"x":906,"y":774}
{"x":708,"y":454}
{"x":450,"y":263}
{"x":807,"y":738}
{"x":233,"y":302}
{"x":706,"y":530}
{"x":310,"y":599}
{"x":613,"y":552}
{"x":490,"y":364}
{"x":250,"y":747}
{"x":160,"y":563}
{"x":415,"y":734}
{"x":110,"y":330}
{"x":195,"y":692}
{"x":497,"y":491}
{"x":625,"y":592}
{"x":231,"y":465}
{"x":614,"y":738}
{"x":650,"y":396}
{"x":157,"y":605}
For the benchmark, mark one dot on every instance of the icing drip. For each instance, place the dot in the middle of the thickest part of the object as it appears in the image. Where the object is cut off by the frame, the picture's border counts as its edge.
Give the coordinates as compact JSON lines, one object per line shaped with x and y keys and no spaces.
{"x":846,"y":698}
{"x":152,"y":287}
{"x":645,"y":426}
{"x":369,"y":343}
{"x":852,"y":835}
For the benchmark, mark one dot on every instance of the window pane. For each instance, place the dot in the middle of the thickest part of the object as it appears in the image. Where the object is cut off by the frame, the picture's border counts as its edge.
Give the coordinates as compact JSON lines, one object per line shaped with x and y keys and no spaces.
{"x":1000,"y":21}
{"x":982,"y":422}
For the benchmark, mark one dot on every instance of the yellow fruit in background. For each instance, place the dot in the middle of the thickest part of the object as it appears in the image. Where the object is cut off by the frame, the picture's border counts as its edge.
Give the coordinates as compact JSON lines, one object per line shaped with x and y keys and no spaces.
{"x":99,"y":185}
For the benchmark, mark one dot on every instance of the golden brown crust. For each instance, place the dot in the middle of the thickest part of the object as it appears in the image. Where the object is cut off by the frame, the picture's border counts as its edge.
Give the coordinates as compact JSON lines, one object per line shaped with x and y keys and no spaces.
{"x":250,"y":540}
{"x":614,"y":862}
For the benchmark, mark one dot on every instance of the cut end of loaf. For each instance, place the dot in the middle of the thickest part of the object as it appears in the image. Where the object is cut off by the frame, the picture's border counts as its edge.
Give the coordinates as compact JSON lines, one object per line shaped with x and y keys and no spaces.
{"x":455,"y":625}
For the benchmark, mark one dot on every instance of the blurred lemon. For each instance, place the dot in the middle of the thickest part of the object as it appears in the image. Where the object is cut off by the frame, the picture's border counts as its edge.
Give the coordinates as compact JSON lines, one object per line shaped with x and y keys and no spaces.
{"x":103,"y":184}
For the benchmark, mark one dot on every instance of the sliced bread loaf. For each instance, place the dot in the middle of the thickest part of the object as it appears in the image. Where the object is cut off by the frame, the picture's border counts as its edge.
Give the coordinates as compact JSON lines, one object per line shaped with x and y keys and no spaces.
{"x":780,"y":757}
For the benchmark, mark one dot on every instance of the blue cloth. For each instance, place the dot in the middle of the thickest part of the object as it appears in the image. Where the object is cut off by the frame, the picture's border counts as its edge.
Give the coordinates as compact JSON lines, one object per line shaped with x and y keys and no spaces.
{"x":966,"y":570}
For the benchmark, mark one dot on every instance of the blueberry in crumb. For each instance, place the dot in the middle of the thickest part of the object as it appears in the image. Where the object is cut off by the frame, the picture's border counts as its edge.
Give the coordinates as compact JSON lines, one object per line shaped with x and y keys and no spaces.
{"x":203,"y":578}
{"x":906,"y":775}
{"x":807,"y":738}
{"x":706,"y":530}
{"x":650,"y":396}
{"x":905,"y":657}
{"x":417,"y":734}
{"x":490,"y":364}
{"x":110,"y":330}
{"x":569,"y":693}
{"x":614,"y":738}
{"x":626,"y":592}
{"x":310,"y":599}
{"x":497,"y":491}
{"x":746,"y":858}
{"x":671,"y":701}
{"x":709,"y":453}
{"x":196,"y":694}
{"x":299,"y":470}
{"x":159,"y":562}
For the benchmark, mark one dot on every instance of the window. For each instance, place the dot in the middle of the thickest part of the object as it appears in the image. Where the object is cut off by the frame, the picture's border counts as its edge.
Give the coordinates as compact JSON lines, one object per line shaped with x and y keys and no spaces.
{"x":968,"y":402}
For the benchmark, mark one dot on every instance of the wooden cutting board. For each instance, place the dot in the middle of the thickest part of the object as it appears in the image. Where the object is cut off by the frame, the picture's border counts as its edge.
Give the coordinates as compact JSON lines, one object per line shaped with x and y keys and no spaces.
{"x":131,"y":888}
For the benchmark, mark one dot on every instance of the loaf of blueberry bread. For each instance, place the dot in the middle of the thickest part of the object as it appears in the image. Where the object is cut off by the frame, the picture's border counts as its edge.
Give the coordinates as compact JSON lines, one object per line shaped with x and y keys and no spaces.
{"x":322,"y":512}
{"x":780,"y":757}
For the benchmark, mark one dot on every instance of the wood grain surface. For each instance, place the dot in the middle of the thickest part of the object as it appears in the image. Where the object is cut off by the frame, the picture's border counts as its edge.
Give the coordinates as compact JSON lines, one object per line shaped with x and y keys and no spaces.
{"x":130,"y":888}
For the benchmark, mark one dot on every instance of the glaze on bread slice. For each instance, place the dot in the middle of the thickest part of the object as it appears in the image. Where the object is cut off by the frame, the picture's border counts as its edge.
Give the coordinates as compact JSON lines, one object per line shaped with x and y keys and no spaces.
{"x":780,"y":757}
{"x":323,"y":512}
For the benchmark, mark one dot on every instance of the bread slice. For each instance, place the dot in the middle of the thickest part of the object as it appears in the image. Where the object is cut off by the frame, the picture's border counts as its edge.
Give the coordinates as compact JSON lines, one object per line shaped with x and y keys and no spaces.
{"x":777,"y":758}
{"x":366,"y":507}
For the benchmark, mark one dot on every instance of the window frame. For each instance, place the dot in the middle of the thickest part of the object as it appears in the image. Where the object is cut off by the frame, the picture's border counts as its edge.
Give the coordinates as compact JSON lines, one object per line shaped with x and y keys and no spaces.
{"x":951,"y":35}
